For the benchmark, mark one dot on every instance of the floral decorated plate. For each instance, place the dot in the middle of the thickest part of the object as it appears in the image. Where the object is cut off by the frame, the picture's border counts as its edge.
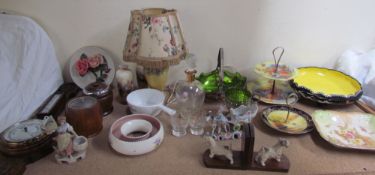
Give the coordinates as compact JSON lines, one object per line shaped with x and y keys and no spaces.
{"x":268,"y":70}
{"x":296,"y":122}
{"x":261,"y":90}
{"x":90,"y":64}
{"x":346,"y":129}
{"x":327,"y":86}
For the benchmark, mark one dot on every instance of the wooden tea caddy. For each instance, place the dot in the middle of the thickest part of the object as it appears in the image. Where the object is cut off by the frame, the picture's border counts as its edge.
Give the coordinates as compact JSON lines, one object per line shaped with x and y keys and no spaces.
{"x":245,"y":159}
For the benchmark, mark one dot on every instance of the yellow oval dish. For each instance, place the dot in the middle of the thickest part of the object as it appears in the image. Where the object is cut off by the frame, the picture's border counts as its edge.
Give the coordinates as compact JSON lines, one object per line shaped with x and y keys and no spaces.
{"x":326,"y":81}
{"x":326,"y":85}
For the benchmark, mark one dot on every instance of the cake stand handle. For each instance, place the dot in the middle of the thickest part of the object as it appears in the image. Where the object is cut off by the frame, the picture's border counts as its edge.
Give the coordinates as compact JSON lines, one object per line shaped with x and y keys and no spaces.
{"x":277,"y":61}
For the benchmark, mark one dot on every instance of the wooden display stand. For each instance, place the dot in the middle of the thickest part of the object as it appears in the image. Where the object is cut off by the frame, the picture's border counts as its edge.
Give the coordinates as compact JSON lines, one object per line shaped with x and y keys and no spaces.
{"x":11,"y":166}
{"x":245,"y":159}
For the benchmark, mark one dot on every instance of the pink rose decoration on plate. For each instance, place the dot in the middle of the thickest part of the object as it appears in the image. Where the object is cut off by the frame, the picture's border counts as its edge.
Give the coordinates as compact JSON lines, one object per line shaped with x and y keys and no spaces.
{"x":95,"y":61}
{"x":96,"y":64}
{"x":82,"y":66}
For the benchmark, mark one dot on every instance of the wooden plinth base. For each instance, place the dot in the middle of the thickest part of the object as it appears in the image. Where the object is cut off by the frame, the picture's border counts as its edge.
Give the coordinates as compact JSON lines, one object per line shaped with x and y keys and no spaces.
{"x":244,"y":160}
{"x":222,"y":163}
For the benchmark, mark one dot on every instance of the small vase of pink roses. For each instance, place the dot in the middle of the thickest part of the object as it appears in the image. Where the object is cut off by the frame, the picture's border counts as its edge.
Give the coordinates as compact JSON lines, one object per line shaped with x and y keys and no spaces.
{"x":96,"y":64}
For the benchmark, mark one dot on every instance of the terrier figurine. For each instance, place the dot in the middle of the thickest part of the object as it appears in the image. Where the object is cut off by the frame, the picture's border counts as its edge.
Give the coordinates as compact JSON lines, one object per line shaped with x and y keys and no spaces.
{"x":217,"y":149}
{"x":273,"y":152}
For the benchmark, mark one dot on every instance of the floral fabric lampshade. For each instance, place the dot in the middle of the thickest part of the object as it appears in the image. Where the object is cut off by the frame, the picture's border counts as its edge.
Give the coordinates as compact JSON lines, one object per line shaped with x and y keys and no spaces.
{"x":154,"y":40}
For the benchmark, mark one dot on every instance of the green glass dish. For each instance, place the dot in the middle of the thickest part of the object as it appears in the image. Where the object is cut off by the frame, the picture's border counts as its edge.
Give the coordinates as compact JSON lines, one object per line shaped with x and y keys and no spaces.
{"x":233,"y":80}
{"x":210,"y":81}
{"x":235,"y":97}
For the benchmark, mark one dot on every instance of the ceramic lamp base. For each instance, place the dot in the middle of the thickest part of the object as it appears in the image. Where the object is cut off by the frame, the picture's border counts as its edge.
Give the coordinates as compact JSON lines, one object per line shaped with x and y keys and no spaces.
{"x":157,"y":79}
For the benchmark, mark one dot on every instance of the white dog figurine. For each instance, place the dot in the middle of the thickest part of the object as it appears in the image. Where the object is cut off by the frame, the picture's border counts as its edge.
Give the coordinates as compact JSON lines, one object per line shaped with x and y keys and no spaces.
{"x":274,"y":152}
{"x":217,"y":149}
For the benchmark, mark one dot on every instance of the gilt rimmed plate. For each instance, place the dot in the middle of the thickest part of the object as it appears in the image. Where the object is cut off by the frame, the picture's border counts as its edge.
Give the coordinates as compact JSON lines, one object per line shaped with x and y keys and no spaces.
{"x":298,"y":121}
{"x":105,"y":70}
{"x":327,"y":86}
{"x":353,"y":130}
{"x":261,"y":90}
{"x":268,"y":70}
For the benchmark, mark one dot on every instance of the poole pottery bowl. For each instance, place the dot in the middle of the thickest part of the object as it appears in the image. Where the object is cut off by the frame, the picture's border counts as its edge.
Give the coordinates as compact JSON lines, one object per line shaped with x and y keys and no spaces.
{"x":119,"y":144}
{"x":135,"y":130}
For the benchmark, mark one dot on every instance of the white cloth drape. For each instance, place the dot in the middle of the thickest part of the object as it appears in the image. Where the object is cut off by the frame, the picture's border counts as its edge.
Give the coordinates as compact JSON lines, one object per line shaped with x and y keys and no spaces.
{"x":29,"y":70}
{"x":362,"y":67}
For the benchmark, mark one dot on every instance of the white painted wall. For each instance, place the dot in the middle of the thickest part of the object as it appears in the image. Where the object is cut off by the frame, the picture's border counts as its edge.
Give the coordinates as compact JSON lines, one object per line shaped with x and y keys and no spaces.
{"x":313,"y":32}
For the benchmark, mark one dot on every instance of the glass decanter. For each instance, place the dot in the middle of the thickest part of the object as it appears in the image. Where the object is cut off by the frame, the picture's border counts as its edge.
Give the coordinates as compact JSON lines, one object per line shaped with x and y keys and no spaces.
{"x":190,"y":99}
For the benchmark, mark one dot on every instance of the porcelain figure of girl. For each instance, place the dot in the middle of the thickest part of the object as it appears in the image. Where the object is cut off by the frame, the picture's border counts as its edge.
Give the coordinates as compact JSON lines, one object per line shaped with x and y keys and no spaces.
{"x":70,"y":146}
{"x":65,"y":138}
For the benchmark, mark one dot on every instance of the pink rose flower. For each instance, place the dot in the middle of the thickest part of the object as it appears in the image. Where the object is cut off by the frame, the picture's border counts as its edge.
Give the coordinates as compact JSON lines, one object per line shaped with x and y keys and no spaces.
{"x":95,"y":61}
{"x":349,"y":135}
{"x":155,"y":20}
{"x":82,"y":66}
{"x":134,"y":45}
{"x":172,"y":42}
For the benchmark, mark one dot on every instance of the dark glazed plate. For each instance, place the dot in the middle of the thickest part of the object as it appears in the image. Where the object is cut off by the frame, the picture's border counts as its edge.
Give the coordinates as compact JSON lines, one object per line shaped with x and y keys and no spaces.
{"x":298,"y":121}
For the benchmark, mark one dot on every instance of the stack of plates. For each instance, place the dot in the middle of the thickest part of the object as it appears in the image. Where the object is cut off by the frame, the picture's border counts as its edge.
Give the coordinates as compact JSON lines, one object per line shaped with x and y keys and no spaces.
{"x":326,"y":86}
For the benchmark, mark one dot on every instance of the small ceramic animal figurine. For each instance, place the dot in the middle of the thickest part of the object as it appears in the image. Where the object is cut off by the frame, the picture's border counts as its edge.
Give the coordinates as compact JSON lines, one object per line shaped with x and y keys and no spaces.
{"x":274,"y":152}
{"x":217,"y":149}
{"x":220,"y":129}
{"x":70,"y":146}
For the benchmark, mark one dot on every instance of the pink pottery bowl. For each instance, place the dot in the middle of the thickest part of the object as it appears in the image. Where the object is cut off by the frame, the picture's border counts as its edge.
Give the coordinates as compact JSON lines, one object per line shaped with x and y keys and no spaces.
{"x":136,"y":147}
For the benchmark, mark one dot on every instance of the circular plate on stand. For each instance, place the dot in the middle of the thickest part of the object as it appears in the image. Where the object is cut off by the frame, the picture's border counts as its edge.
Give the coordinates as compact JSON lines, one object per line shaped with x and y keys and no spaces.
{"x":274,"y":90}
{"x":268,"y":70}
{"x":261,"y":90}
{"x":97,"y":64}
{"x":296,"y":122}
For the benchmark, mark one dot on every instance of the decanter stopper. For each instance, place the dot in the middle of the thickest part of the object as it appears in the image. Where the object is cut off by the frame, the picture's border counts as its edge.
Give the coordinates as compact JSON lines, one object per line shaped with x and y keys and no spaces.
{"x":190,"y":75}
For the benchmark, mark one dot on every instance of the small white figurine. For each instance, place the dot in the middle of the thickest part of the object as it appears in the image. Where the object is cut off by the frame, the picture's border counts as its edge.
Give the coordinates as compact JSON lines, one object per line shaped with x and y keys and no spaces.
{"x":70,"y":146}
{"x":274,"y":152}
{"x":49,"y":125}
{"x":221,"y":126}
{"x":217,"y":149}
{"x":244,"y":113}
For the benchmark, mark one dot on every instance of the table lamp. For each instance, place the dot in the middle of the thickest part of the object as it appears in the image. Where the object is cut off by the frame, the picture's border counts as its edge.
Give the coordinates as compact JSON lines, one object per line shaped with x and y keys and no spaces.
{"x":154,"y":41}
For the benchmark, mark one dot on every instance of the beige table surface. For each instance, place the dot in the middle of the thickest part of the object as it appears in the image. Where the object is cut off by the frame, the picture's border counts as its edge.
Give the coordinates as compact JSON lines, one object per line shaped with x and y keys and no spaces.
{"x":308,"y":154}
